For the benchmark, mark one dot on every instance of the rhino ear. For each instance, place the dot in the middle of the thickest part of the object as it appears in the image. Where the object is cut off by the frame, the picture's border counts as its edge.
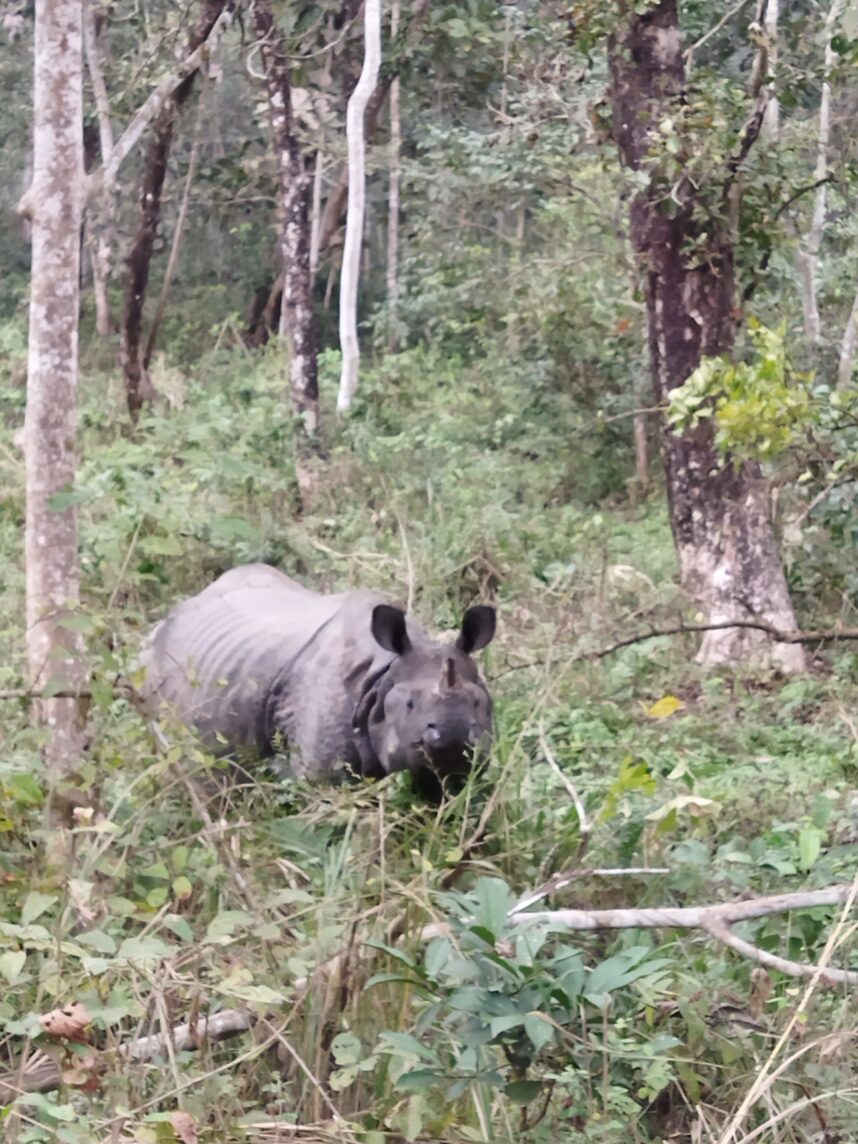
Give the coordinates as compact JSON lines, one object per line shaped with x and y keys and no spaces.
{"x":478,"y":629}
{"x":388,"y":628}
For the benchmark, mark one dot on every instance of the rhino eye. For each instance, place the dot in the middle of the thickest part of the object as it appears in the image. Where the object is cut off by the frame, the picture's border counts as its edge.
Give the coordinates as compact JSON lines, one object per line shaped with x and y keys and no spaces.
{"x":410,"y":704}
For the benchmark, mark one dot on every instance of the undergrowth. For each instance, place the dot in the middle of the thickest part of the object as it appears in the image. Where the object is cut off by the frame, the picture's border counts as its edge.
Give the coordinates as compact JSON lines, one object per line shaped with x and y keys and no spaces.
{"x":453,"y":481}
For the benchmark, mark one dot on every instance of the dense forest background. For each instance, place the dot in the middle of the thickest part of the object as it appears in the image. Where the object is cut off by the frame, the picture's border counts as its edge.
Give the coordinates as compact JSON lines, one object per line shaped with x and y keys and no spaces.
{"x":504,"y":444}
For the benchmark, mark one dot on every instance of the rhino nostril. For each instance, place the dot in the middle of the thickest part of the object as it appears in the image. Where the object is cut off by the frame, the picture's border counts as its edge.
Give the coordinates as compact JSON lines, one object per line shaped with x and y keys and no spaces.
{"x":431,"y":736}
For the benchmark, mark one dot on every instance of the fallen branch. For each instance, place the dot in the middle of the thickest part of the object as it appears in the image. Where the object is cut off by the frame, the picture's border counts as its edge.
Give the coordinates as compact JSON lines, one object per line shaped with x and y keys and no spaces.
{"x":43,"y":1074}
{"x":716,"y":920}
{"x":584,"y":823}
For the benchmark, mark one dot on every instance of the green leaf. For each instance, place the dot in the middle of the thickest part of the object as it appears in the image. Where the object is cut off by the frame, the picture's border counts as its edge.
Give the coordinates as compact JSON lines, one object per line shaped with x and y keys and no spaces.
{"x":48,"y":1107}
{"x":146,"y":948}
{"x":342,"y":1078}
{"x":160,"y":546}
{"x":622,"y":969}
{"x":222,"y":928}
{"x":103,"y":942}
{"x":11,"y":964}
{"x":418,"y":1080}
{"x":538,"y":1030}
{"x":407,"y":1046}
{"x":232,"y":528}
{"x":102,"y":694}
{"x":65,"y":499}
{"x":182,"y":887}
{"x":179,"y":927}
{"x":503,"y":1024}
{"x":494,"y":901}
{"x":437,"y":955}
{"x":78,"y":622}
{"x":809,"y":846}
{"x":346,"y":1048}
{"x":254,"y":994}
{"x":24,"y":789}
{"x":35,"y":904}
{"x":523,"y":1091}
{"x":157,"y":870}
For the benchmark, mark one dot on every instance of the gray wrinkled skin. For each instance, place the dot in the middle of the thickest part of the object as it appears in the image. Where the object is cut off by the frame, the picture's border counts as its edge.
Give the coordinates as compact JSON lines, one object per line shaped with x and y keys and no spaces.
{"x":255,"y":662}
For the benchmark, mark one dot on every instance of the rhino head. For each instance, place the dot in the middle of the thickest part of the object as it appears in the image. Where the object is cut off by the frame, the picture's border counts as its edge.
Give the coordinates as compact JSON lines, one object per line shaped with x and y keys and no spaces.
{"x":431,"y":713}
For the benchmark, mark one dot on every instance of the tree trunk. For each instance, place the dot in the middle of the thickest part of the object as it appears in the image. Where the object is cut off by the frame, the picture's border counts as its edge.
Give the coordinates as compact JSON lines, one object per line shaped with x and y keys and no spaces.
{"x":772,"y":115}
{"x":808,"y":251}
{"x":55,"y":200}
{"x":101,"y":229}
{"x":357,"y":201}
{"x":847,"y":347}
{"x":316,"y":214}
{"x":295,"y":179}
{"x":641,"y":453}
{"x":336,"y":202}
{"x":176,"y":244}
{"x":728,"y":559}
{"x":137,"y":387}
{"x":393,"y":199}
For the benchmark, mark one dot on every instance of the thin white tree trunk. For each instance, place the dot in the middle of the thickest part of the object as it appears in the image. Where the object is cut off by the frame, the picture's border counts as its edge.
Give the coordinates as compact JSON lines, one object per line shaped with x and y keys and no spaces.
{"x":316,"y":214}
{"x":55,"y":201}
{"x":101,"y":230}
{"x":772,"y":116}
{"x":808,"y":252}
{"x":393,"y":198}
{"x":847,"y":347}
{"x":357,"y":201}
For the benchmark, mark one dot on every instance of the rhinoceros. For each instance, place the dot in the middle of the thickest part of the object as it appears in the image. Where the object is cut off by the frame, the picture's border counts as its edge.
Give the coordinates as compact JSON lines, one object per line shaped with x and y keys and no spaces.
{"x":344,"y":683}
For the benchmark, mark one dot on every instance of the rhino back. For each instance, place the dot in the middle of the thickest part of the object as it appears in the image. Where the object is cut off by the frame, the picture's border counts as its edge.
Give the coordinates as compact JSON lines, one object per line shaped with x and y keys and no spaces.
{"x":212,"y":662}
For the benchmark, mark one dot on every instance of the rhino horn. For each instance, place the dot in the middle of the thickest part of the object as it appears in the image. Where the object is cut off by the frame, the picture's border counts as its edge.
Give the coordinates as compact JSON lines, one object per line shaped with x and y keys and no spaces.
{"x":449,"y":680}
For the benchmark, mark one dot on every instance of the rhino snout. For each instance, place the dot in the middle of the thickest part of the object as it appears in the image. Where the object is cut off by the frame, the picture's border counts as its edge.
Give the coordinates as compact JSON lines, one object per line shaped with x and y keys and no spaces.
{"x":442,"y":738}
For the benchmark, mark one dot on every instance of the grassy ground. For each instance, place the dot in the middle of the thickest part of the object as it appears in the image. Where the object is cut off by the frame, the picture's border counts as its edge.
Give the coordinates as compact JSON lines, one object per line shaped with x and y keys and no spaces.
{"x":451,"y":482}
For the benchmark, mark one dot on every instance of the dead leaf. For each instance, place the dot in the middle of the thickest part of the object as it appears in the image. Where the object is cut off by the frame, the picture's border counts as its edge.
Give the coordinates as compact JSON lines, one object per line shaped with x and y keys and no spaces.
{"x":70,"y":1022}
{"x":761,"y":990}
{"x":184,"y":1127}
{"x":85,"y":1074}
{"x":667,"y":705}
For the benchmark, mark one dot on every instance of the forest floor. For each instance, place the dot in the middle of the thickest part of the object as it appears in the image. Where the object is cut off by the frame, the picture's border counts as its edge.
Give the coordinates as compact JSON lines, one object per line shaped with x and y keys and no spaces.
{"x":308,"y":904}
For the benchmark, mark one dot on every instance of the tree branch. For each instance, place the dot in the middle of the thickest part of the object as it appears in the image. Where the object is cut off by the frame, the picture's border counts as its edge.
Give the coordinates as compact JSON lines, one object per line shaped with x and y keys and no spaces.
{"x":99,"y":88}
{"x":716,"y":920}
{"x":106,"y":174}
{"x":796,"y":637}
{"x":832,"y":635}
{"x":42,"y":1073}
{"x":750,"y":134}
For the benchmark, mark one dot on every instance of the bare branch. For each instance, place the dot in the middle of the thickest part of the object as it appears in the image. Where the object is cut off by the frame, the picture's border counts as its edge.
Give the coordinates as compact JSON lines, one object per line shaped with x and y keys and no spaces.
{"x":713,"y":31}
{"x":565,"y":878}
{"x":99,"y":88}
{"x":130,"y":137}
{"x":797,"y":637}
{"x":584,"y":823}
{"x":42,"y":1073}
{"x":716,"y":920}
